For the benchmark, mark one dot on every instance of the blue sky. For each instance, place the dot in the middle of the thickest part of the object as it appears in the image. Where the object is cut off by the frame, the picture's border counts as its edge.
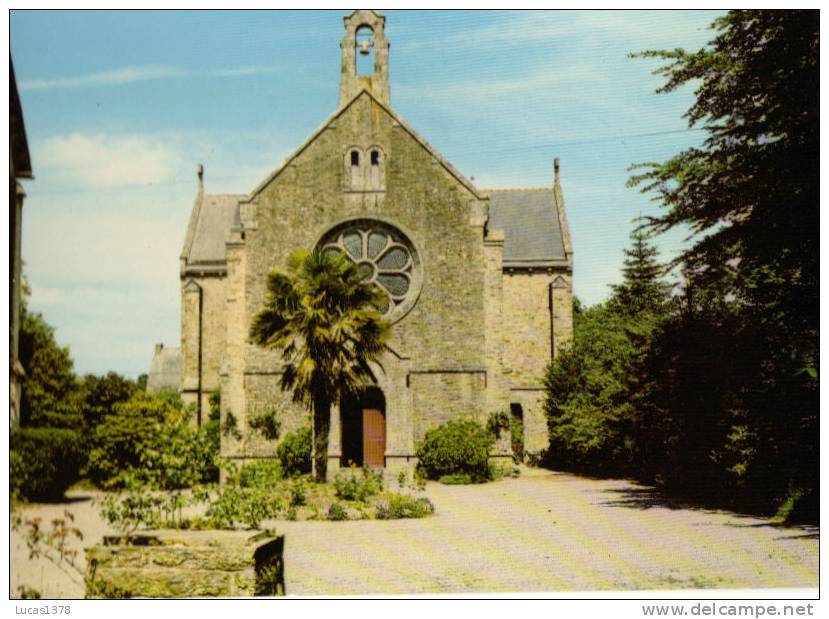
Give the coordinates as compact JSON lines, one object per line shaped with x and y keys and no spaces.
{"x":121,"y":106}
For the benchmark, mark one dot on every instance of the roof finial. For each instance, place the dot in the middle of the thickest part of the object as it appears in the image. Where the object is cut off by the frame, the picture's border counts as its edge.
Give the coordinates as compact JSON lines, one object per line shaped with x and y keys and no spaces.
{"x":555,"y":170}
{"x":200,"y":174}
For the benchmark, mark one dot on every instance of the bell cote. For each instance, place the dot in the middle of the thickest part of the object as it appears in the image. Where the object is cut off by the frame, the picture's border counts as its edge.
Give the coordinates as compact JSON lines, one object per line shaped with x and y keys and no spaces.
{"x":365,"y":56}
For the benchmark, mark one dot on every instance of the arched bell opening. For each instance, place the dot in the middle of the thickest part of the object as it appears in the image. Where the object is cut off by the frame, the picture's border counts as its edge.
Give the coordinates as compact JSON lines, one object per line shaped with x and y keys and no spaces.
{"x":364,"y":58}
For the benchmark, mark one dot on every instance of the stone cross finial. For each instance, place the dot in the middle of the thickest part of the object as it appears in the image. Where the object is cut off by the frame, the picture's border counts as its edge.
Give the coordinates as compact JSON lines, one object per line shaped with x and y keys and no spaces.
{"x":555,"y":170}
{"x":200,"y":174}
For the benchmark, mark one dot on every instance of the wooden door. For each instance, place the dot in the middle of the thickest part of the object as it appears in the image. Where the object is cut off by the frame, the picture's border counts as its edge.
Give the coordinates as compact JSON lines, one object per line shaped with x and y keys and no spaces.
{"x":374,"y":438}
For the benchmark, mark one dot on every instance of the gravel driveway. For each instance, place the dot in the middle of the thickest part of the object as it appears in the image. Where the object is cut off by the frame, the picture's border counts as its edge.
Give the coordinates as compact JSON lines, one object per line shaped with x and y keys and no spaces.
{"x":544,"y":531}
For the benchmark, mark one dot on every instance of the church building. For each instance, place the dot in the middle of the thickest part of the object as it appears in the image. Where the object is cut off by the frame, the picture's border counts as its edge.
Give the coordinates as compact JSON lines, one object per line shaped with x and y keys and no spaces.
{"x":478,"y":282}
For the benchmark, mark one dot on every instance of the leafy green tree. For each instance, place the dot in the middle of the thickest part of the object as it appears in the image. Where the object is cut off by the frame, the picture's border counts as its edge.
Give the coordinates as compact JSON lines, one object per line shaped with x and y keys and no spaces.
{"x":295,"y":451}
{"x":102,"y":393}
{"x":322,"y":318}
{"x":592,"y":387}
{"x":51,"y":396}
{"x":587,"y":397}
{"x":141,"y":382}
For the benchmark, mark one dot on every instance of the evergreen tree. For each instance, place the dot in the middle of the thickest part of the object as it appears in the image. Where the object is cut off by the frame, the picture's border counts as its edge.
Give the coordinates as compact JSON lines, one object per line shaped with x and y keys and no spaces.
{"x":750,"y":195}
{"x":643,"y":288}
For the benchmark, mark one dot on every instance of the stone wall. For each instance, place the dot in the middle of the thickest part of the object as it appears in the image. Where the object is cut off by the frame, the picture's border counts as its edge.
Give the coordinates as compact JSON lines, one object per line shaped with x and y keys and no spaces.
{"x":443,"y":332}
{"x":441,"y":396}
{"x":537,"y":319}
{"x":562,"y":295}
{"x":527,"y":336}
{"x":203,"y":329}
{"x":179,"y":564}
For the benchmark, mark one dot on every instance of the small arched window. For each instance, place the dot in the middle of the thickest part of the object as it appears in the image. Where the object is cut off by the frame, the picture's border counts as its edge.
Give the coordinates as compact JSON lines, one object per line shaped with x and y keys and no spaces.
{"x":364,"y":170}
{"x":376,"y":177}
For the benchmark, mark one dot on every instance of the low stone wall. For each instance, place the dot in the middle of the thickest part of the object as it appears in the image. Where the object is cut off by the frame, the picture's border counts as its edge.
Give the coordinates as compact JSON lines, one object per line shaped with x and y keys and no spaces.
{"x":186,"y":564}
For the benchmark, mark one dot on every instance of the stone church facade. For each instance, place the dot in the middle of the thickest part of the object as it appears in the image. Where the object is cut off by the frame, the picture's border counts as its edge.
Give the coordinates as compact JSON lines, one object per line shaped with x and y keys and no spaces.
{"x":478,"y":282}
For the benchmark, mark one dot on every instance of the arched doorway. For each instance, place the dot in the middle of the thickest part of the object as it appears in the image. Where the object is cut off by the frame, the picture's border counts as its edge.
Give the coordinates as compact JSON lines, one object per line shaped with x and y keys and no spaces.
{"x":364,"y":429}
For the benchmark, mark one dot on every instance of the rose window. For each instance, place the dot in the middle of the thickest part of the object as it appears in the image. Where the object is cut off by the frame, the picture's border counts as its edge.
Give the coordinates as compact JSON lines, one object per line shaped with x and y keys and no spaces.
{"x":386,"y":258}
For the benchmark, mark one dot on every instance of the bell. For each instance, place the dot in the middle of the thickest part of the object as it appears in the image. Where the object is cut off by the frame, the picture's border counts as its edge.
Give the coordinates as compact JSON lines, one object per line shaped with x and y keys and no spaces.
{"x":365,"y":47}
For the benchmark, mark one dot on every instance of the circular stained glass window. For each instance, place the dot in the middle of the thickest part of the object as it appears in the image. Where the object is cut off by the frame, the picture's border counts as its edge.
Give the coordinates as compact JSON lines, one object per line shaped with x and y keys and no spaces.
{"x":385,"y":256}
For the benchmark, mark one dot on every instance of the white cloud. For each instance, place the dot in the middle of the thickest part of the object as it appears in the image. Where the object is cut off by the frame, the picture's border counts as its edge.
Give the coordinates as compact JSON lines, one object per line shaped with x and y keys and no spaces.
{"x":45,"y":295}
{"x":128,"y":75}
{"x":449,"y":92}
{"x":101,"y":160}
{"x":516,"y":29}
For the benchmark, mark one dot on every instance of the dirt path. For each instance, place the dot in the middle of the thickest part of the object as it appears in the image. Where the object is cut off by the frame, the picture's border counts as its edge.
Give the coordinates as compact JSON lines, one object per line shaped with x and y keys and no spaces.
{"x":542,"y":532}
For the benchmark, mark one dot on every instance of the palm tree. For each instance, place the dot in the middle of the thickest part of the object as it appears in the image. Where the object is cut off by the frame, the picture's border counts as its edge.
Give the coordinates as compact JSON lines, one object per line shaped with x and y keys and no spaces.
{"x":323,"y":319}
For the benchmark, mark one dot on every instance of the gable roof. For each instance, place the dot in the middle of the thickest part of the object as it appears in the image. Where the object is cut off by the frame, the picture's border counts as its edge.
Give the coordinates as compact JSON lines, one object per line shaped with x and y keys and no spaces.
{"x":534,"y":234}
{"x":18,"y":144}
{"x":212,"y":217}
{"x":165,"y":369}
{"x":396,"y":118}
{"x":533,"y":220}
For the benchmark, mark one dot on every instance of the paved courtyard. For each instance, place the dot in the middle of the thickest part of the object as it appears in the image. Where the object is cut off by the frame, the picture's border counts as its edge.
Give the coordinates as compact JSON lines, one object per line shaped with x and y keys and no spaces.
{"x":544,"y":531}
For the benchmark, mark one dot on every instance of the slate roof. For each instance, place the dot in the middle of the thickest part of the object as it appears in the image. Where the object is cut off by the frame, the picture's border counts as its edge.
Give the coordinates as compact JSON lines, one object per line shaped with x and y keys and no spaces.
{"x":165,"y":369}
{"x":210,"y":222}
{"x":18,"y":145}
{"x":533,"y":234}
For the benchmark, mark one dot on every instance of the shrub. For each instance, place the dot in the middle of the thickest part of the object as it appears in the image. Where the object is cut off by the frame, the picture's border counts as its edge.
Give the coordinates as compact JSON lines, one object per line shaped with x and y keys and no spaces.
{"x":119,"y":440}
{"x":497,"y":422}
{"x":267,"y":424}
{"x":148,"y":439}
{"x":460,"y":479}
{"x":249,"y":506}
{"x":44,"y":462}
{"x":230,"y":426}
{"x":337,"y":512}
{"x":24,"y":592}
{"x":130,"y":509}
{"x":517,"y":438}
{"x":297,"y":493}
{"x":400,"y":506}
{"x":294,"y":452}
{"x":460,"y":446}
{"x":261,"y":474}
{"x":18,"y":475}
{"x":358,"y":485}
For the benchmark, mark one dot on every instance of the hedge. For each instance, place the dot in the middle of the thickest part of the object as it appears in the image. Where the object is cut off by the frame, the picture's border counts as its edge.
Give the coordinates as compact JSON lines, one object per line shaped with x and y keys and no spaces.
{"x":44,"y":462}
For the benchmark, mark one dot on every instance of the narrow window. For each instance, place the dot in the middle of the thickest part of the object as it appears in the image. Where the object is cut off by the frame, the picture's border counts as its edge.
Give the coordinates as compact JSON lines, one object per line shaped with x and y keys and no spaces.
{"x":355,"y":158}
{"x":375,"y":158}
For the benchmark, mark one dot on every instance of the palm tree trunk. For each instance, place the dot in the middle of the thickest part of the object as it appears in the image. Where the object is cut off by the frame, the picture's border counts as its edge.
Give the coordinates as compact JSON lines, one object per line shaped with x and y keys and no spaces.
{"x":322,"y":424}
